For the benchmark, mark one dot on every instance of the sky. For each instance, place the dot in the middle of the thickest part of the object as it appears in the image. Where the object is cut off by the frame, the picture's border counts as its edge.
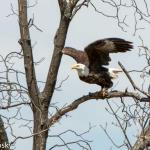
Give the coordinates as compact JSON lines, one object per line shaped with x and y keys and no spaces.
{"x":86,"y":27}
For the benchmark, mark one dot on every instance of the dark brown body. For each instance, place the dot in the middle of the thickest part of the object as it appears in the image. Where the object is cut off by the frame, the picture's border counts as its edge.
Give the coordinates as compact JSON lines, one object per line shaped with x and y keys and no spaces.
{"x":102,"y":79}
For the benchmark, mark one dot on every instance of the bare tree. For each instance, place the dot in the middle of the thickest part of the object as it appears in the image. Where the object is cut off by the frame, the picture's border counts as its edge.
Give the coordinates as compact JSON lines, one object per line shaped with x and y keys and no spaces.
{"x":17,"y":95}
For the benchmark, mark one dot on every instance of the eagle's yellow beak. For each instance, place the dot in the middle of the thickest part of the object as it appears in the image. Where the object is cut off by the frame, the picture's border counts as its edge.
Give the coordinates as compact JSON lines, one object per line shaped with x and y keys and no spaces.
{"x":75,"y":66}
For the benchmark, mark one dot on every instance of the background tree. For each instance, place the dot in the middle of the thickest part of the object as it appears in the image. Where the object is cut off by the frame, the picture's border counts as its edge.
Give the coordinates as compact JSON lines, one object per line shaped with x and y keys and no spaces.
{"x":19,"y":96}
{"x":3,"y":137}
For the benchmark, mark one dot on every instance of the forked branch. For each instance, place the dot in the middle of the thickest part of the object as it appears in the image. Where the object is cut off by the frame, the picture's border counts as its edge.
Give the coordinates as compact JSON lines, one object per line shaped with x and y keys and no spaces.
{"x":74,"y":105}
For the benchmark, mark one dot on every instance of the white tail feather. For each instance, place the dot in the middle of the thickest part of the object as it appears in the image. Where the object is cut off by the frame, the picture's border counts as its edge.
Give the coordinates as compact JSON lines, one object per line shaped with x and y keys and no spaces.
{"x":114,"y":72}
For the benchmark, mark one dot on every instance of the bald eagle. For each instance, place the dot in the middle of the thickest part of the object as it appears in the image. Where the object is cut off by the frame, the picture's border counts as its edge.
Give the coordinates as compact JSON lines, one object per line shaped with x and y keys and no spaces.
{"x":92,"y":61}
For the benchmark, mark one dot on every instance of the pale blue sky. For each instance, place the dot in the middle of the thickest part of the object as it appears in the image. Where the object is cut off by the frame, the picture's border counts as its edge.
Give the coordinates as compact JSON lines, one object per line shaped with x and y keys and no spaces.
{"x":86,"y":27}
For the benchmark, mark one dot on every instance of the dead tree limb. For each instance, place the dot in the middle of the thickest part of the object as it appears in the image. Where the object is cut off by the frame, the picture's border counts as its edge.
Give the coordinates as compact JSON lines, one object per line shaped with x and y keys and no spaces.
{"x":74,"y":105}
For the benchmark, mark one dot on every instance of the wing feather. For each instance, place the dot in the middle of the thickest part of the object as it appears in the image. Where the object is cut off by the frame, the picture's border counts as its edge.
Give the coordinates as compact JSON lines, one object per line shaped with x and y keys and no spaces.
{"x":98,"y":51}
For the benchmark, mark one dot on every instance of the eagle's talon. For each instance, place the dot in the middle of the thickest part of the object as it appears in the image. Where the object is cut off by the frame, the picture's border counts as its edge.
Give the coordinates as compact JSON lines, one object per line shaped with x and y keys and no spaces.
{"x":103,"y":93}
{"x":106,"y":93}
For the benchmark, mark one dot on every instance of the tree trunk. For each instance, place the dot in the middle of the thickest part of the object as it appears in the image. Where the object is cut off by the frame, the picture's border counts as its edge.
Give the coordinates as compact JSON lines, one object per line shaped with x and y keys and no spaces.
{"x":3,"y":136}
{"x":143,"y":141}
{"x":41,"y":101}
{"x":41,"y":116}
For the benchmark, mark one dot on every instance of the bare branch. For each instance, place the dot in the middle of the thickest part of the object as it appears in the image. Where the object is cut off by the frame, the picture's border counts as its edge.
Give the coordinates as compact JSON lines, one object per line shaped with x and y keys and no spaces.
{"x":120,"y":125}
{"x":110,"y":138}
{"x":61,"y":83}
{"x":15,"y":105}
{"x":133,"y":84}
{"x":90,"y":96}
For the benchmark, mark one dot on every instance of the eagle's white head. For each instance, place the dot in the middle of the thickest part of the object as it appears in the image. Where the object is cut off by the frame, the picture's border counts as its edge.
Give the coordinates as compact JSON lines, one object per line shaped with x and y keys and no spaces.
{"x":82,"y":69}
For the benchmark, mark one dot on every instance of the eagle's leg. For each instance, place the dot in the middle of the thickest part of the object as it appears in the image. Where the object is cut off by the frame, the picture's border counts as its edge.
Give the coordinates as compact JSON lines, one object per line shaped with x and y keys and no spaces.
{"x":104,"y":92}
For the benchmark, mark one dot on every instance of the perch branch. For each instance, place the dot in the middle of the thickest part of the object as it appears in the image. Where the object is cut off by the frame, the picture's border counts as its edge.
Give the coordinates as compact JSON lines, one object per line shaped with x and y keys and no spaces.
{"x":74,"y":105}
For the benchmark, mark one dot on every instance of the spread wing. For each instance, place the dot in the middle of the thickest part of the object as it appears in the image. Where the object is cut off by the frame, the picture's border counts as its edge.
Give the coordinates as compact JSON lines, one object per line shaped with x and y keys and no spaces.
{"x":98,"y":51}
